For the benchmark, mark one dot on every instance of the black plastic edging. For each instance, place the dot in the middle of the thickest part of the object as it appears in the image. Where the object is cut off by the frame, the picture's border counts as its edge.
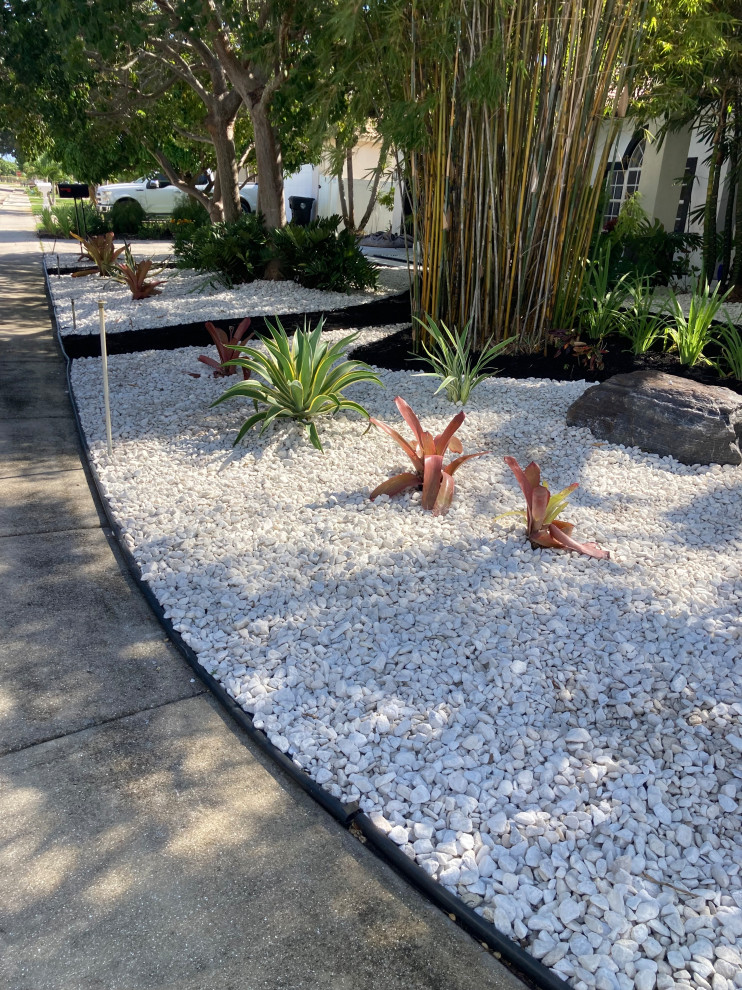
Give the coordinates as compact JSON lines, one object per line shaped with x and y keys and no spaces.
{"x":345,"y":813}
{"x":482,"y":930}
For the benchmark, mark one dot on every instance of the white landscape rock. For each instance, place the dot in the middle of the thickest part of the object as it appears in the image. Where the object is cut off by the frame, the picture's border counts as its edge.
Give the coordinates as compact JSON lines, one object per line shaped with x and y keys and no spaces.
{"x":551,"y":736}
{"x":189,"y":297}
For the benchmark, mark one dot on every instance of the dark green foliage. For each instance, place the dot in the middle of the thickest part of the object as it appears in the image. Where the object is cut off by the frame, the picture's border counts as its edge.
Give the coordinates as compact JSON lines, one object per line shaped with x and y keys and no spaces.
{"x":152,"y":230}
{"x":126,"y":216}
{"x":649,"y":251}
{"x":187,"y":218}
{"x":236,"y":252}
{"x":192,"y":211}
{"x":317,"y":257}
{"x":63,"y":220}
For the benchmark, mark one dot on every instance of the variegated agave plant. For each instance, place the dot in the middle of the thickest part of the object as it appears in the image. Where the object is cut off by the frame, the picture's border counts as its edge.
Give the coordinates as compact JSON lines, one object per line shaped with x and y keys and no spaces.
{"x":542,"y":508}
{"x":426,"y":453}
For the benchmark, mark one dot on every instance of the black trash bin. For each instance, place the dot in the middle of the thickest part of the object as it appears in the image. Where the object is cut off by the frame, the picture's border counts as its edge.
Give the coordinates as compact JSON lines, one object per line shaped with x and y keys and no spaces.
{"x":301,"y":209}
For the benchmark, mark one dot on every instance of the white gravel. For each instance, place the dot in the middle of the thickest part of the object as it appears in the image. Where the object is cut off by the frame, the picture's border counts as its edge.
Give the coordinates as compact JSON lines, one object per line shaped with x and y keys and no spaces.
{"x":188,"y":297}
{"x":66,"y":253}
{"x":556,"y":739}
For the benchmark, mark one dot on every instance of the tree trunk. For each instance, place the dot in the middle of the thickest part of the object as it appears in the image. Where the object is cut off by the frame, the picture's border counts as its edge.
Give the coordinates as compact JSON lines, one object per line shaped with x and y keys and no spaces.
{"x":712,"y":194}
{"x":726,"y":250}
{"x":221,"y":132}
{"x":736,"y":272}
{"x":351,"y":221}
{"x":208,"y":203}
{"x":269,"y":164}
{"x":343,"y":201}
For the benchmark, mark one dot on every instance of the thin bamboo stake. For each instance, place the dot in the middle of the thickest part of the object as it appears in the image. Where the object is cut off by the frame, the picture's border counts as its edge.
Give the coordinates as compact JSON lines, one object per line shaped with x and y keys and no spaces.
{"x":104,"y":368}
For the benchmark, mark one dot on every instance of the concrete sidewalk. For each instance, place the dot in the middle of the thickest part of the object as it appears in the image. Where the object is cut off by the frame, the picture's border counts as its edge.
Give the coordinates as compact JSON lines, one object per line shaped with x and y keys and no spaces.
{"x":143,"y":842}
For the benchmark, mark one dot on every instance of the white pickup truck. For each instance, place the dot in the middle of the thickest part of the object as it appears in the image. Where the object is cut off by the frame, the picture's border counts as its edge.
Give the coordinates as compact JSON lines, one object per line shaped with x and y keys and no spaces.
{"x":158,"y":197}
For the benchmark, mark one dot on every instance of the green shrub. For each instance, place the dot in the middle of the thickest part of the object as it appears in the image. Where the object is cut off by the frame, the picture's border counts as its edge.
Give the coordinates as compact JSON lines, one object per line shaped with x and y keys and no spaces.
{"x":193,"y":211}
{"x":642,"y":248}
{"x":236,"y":252}
{"x":152,"y":230}
{"x":63,"y":220}
{"x":317,"y":257}
{"x":126,"y":216}
{"x":729,"y":364}
{"x":642,"y":325}
{"x":187,"y":218}
{"x":602,"y":299}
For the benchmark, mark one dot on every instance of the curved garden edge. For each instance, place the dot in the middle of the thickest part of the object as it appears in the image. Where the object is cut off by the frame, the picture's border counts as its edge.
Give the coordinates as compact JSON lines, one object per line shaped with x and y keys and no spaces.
{"x":346,"y":814}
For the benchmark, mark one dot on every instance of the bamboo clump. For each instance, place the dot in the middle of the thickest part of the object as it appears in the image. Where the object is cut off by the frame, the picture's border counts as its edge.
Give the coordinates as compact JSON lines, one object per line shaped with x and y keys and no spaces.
{"x":507,"y":183}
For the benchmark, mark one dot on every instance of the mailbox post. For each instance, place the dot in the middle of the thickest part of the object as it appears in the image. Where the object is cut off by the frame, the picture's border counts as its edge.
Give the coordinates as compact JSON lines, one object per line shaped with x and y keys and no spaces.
{"x":76,"y":191}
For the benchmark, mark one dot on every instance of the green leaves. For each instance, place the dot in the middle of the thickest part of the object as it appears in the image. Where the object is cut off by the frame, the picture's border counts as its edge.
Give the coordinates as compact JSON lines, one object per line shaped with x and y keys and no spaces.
{"x":642,"y":325}
{"x":730,"y":360}
{"x":426,"y":454}
{"x":302,"y":379}
{"x":690,"y":334}
{"x":317,"y":257}
{"x":450,"y":357}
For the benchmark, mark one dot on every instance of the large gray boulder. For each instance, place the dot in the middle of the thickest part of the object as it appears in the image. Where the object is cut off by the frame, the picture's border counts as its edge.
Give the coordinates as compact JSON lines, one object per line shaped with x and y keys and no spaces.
{"x":696,"y":424}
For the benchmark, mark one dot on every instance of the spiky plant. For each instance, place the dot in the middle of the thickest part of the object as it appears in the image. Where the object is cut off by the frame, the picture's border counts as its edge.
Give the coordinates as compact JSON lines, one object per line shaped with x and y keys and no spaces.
{"x":227,"y":346}
{"x":543,"y":528}
{"x":101,"y":251}
{"x":302,"y":379}
{"x":426,"y":453}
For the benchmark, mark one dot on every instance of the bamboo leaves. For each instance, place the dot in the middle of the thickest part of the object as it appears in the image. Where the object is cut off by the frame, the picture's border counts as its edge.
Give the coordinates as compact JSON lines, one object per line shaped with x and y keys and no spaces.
{"x":507,"y":184}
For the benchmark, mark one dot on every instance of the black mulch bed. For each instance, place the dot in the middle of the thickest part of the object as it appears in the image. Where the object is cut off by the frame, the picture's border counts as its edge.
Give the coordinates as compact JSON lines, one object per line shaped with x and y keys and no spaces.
{"x":394,"y":353}
{"x":71,"y":269}
{"x":395,"y":309}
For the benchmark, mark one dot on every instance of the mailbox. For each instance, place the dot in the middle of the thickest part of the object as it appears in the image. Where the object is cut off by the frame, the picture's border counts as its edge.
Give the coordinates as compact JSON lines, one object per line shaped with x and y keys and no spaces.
{"x":73,"y":190}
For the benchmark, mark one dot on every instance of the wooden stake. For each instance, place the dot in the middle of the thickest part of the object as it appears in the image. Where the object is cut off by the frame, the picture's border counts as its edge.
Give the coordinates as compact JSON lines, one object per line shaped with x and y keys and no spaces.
{"x":104,"y":365}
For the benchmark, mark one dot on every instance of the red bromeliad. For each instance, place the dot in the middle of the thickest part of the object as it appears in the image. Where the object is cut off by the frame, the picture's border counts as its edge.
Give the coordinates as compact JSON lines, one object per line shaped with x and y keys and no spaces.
{"x":226,"y":345}
{"x":135,"y":274}
{"x":426,"y":454}
{"x":542,"y":508}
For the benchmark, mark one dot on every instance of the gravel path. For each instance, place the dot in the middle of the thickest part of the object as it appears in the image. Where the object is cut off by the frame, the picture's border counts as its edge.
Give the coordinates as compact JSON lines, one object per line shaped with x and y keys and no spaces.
{"x":556,"y":739}
{"x":188,"y":297}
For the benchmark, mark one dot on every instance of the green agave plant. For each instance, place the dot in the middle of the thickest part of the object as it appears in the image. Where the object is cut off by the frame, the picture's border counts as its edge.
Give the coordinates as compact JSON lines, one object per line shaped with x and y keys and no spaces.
{"x":302,"y":379}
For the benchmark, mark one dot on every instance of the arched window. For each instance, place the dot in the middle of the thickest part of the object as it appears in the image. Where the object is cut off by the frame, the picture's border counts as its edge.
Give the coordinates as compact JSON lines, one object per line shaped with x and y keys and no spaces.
{"x":623,"y":177}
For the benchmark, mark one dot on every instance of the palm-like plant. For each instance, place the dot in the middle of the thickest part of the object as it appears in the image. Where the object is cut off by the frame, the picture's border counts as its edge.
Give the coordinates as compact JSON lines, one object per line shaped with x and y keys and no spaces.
{"x":601,"y":306}
{"x":642,"y":324}
{"x":729,"y":364}
{"x":449,"y":354}
{"x":303,"y":379}
{"x":543,"y":528}
{"x":426,"y":453}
